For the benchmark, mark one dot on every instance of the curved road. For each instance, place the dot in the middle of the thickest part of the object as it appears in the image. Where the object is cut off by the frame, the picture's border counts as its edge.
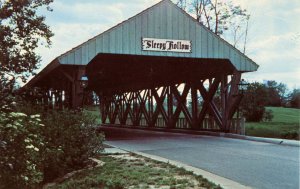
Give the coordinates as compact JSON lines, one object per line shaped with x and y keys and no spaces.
{"x":255,"y":164}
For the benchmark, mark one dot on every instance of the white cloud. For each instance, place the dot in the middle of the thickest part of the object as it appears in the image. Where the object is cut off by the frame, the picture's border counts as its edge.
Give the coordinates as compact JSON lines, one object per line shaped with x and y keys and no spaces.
{"x":77,"y":21}
{"x":68,"y":36}
{"x":276,"y":45}
{"x":274,"y":40}
{"x":89,"y":12}
{"x":283,"y":77}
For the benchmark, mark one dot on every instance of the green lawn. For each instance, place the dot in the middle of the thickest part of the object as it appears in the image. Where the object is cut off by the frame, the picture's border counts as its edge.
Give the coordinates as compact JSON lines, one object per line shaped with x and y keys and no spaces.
{"x":132,"y":171}
{"x":285,"y":115}
{"x":285,"y":124}
{"x":94,"y":110}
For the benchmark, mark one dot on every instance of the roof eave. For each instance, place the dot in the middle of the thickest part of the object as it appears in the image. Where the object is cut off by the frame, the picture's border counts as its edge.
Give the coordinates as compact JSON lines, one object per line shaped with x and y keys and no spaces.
{"x":54,"y":64}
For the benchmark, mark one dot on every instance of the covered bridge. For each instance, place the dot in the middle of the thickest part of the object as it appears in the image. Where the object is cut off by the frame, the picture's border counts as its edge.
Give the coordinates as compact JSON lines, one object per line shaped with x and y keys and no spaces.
{"x":160,"y":68}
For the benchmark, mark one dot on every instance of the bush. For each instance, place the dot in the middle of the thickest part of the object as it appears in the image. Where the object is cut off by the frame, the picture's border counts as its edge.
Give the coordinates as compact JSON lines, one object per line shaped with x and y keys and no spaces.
{"x":71,"y":140}
{"x":268,"y":115}
{"x":21,"y":150}
{"x":254,"y":114}
{"x":40,"y":147}
{"x":290,"y":135}
{"x":295,"y":98}
{"x":254,"y":101}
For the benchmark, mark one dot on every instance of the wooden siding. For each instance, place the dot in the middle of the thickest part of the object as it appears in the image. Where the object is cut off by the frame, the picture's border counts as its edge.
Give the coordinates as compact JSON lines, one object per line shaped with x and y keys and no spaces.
{"x":165,"y":21}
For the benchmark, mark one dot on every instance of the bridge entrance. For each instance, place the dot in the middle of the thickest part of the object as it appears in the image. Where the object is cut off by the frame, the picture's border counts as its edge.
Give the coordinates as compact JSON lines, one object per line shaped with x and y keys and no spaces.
{"x":165,"y":92}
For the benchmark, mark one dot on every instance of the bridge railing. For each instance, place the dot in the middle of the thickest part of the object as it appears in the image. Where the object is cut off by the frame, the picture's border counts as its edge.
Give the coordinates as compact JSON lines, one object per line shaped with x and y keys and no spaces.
{"x":237,"y":125}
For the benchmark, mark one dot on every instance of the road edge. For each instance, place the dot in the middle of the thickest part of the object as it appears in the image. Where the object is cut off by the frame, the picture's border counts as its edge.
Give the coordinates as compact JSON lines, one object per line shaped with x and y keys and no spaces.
{"x":284,"y":142}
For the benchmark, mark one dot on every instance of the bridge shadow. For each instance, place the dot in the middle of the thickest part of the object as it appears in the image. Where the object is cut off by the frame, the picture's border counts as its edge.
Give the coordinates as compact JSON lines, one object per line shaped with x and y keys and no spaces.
{"x":118,"y":133}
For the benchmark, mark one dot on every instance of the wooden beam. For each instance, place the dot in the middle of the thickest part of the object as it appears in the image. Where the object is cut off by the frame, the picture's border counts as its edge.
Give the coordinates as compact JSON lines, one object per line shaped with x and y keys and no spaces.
{"x":159,"y":105}
{"x":207,"y":97}
{"x":142,"y":101}
{"x":128,"y":110}
{"x":68,"y":76}
{"x":224,"y":103}
{"x":180,"y":100}
{"x":233,"y":98}
{"x":116,"y":104}
{"x":170,"y":102}
{"x":194,"y":96}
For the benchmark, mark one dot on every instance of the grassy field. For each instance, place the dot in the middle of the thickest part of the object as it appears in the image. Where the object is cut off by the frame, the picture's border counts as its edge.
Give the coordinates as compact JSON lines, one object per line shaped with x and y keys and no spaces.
{"x":132,"y":171}
{"x":285,"y":124}
{"x":94,"y":110}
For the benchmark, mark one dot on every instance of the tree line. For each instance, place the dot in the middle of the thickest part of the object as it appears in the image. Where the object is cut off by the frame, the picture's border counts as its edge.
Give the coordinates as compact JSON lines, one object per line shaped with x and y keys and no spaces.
{"x":258,"y":95}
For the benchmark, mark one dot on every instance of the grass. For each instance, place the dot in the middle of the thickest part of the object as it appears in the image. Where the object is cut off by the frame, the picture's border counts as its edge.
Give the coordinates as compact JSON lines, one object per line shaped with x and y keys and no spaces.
{"x":93,"y":110}
{"x":285,"y":124}
{"x":135,"y":172}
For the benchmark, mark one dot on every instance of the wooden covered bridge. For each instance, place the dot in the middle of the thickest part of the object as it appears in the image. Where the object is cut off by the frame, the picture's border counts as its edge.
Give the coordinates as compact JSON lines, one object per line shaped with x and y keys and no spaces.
{"x":160,"y":68}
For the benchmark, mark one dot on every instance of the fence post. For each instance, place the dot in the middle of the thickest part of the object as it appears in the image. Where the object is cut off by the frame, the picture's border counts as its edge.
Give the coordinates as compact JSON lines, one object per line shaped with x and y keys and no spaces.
{"x":242,"y":126}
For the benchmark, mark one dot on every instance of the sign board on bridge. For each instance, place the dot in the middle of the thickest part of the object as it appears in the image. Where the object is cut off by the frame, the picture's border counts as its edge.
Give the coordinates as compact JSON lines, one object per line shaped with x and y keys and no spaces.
{"x":166,"y":45}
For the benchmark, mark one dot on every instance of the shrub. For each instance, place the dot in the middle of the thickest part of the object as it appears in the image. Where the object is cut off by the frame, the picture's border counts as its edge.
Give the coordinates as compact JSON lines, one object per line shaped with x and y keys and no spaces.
{"x":40,"y":147}
{"x":291,"y":135}
{"x":268,"y":115}
{"x":20,"y":149}
{"x":295,"y":98}
{"x":254,"y":114}
{"x":254,"y":101}
{"x":70,"y":139}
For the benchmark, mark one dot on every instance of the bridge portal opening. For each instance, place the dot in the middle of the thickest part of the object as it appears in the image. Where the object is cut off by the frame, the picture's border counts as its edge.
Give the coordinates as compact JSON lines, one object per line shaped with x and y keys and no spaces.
{"x":164,"y":91}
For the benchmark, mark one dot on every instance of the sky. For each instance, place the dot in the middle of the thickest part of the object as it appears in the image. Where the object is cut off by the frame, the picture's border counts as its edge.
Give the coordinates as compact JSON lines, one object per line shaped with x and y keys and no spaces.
{"x":273,"y":37}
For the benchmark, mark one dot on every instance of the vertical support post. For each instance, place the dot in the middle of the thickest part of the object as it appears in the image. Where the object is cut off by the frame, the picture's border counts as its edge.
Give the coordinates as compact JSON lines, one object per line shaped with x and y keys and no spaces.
{"x":135,"y":109}
{"x":242,"y":126}
{"x":51,"y":99}
{"x":170,"y":107}
{"x":194,"y":106}
{"x":234,"y":98}
{"x":151,"y":107}
{"x":46,"y":99}
{"x":73,"y":94}
{"x":77,"y":91}
{"x":60,"y":101}
{"x":224,"y":108}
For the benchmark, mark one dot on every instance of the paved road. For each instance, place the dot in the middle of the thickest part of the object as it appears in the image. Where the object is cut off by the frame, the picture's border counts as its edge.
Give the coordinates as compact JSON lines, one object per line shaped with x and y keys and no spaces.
{"x":255,"y":164}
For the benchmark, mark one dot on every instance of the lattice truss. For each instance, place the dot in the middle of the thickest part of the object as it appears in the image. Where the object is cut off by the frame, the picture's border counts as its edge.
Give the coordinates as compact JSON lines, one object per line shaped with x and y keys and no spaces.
{"x":49,"y":98}
{"x":202,"y":105}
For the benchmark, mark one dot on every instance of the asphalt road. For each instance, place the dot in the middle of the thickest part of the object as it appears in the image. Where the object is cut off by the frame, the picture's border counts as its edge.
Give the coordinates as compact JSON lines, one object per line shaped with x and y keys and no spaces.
{"x":255,"y":164}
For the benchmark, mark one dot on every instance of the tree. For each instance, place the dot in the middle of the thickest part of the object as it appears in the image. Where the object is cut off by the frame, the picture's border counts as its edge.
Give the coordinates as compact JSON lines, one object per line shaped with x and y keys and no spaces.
{"x":276,"y":93}
{"x":294,"y":98}
{"x":220,"y":17}
{"x":253,"y":103}
{"x":22,"y":30}
{"x":181,"y":4}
